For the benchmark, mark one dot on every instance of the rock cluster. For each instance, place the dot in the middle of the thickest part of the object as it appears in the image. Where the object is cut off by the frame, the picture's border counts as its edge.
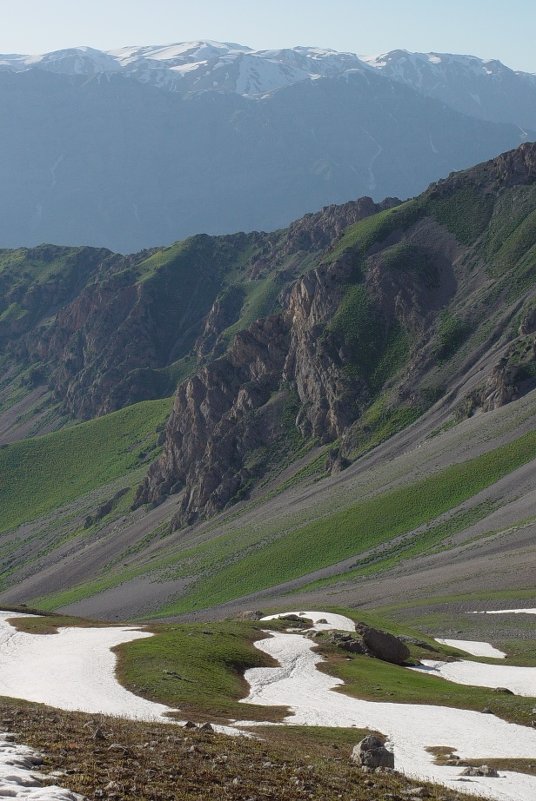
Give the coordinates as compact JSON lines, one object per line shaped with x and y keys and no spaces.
{"x":369,"y":641}
{"x":481,"y":770}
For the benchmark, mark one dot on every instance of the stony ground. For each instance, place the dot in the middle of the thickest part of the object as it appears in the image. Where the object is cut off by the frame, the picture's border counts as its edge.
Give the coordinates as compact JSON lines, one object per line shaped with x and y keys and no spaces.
{"x":106,"y":758}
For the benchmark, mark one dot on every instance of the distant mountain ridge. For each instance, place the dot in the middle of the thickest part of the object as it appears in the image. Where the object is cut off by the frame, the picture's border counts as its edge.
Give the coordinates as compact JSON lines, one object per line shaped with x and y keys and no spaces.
{"x":486,"y":89}
{"x":136,"y":147}
{"x":229,"y":67}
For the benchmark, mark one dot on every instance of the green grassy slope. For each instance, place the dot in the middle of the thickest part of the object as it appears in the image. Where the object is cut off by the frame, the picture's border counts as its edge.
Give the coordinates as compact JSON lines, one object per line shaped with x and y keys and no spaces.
{"x":351,"y":531}
{"x":41,"y":474}
{"x":197,"y":667}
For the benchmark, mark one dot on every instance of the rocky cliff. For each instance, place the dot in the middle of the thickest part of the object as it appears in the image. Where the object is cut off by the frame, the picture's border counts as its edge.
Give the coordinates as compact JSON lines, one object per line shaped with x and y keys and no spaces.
{"x":396,"y":307}
{"x":333,"y":333}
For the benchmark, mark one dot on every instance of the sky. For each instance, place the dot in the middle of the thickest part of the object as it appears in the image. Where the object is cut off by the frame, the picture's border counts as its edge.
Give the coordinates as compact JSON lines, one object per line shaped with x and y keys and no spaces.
{"x":485,"y":28}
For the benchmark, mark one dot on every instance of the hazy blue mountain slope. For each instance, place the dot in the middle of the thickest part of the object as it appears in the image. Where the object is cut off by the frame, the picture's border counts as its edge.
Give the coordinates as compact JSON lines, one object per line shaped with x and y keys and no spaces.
{"x":108,"y":160}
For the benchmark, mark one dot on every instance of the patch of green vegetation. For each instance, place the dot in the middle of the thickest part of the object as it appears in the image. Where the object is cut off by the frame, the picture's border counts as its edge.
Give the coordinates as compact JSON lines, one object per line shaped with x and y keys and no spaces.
{"x":351,"y":531}
{"x":357,"y":324}
{"x":185,"y":280}
{"x":410,"y":258}
{"x":50,"y":624}
{"x":395,"y":355}
{"x":303,"y":739}
{"x":466,"y":213}
{"x":313,"y":470}
{"x":13,"y":312}
{"x":523,"y":277}
{"x":429,"y":540}
{"x":41,"y":474}
{"x":452,"y":332}
{"x":162,"y":259}
{"x":260,"y":301}
{"x":197,"y":667}
{"x":375,"y":229}
{"x":519,"y":243}
{"x":374,"y":351}
{"x":380,"y":422}
{"x":44,"y":262}
{"x":511,"y":210}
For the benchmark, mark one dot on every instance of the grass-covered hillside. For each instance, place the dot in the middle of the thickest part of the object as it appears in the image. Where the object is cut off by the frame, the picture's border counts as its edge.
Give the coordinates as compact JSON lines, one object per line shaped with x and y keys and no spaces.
{"x":354,"y":405}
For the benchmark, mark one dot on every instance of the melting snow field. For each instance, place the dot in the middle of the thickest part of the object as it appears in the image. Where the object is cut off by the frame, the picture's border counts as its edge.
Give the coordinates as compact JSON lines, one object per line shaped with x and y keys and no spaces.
{"x":410,"y":728}
{"x":520,"y":680}
{"x":72,"y":670}
{"x":19,"y":778}
{"x":474,"y":648}
{"x":507,"y":612}
{"x":75,"y":670}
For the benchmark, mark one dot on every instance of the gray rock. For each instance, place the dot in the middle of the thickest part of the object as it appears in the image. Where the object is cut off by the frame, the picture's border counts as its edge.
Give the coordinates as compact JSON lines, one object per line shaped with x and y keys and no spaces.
{"x":251,"y":614}
{"x":481,"y":770}
{"x":371,"y":753}
{"x":383,"y":645}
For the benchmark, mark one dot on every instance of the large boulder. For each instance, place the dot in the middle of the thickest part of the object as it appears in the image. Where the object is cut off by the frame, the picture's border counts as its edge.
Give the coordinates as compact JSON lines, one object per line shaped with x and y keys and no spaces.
{"x":383,"y":646}
{"x":372,"y":753}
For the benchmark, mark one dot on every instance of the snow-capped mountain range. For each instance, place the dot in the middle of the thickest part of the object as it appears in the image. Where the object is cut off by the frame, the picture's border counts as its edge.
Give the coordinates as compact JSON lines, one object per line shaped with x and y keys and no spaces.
{"x":141,"y":146}
{"x":225,"y":66}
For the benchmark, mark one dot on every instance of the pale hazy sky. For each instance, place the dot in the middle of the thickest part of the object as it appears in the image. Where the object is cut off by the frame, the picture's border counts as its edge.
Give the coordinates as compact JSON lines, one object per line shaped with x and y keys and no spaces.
{"x":503,"y":29}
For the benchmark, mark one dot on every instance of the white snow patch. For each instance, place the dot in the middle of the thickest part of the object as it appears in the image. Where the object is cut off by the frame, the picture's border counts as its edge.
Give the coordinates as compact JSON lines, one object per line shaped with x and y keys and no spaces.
{"x":410,"y":728}
{"x":507,"y":612}
{"x":333,"y":621}
{"x":76,"y":670}
{"x":18,"y":777}
{"x":520,"y":680}
{"x":474,"y":648}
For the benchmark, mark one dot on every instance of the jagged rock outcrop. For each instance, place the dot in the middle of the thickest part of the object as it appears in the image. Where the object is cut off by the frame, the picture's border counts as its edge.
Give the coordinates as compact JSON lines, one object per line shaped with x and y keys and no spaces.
{"x":220,"y":415}
{"x":316,"y":232}
{"x":329,"y":396}
{"x":511,"y":377}
{"x":379,"y":307}
{"x":108,"y":330}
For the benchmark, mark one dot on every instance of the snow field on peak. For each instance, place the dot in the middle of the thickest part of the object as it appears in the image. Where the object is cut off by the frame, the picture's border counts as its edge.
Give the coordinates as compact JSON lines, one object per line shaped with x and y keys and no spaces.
{"x":188,"y":67}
